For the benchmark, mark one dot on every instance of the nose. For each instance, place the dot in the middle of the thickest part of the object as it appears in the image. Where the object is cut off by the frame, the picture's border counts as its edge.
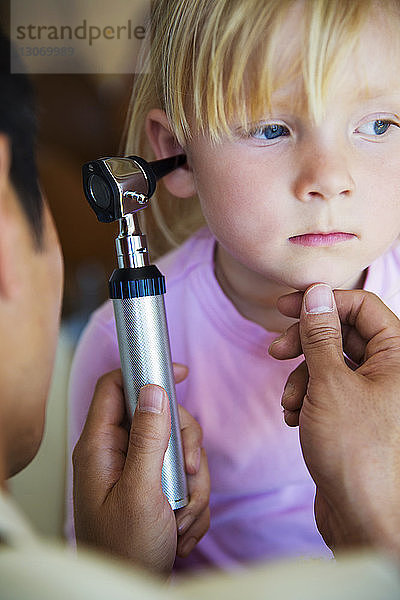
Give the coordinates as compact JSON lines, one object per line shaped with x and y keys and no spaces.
{"x":323,"y":175}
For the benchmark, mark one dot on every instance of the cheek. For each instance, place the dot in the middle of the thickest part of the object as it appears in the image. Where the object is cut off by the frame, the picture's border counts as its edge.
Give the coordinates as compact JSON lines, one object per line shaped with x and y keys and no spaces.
{"x":379,"y":184}
{"x":239,"y":203}
{"x":380,"y":211}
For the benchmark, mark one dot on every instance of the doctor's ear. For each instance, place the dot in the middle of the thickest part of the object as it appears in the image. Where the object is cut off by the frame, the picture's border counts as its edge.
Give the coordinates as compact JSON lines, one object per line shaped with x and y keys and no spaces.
{"x":180,"y":182}
{"x":10,"y":225}
{"x":5,"y":161}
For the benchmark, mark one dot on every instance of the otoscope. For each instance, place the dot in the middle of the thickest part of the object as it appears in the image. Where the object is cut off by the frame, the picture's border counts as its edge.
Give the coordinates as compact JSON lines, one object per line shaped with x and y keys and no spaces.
{"x":117,"y":188}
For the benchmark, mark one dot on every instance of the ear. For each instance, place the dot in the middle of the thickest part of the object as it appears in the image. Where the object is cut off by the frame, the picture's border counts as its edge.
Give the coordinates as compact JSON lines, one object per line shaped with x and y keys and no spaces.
{"x":5,"y":160}
{"x":163,"y":142}
{"x":8,"y":224}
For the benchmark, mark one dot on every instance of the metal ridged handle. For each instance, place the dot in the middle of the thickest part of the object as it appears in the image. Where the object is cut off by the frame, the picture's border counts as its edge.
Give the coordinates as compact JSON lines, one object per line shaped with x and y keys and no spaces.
{"x":146,"y":358}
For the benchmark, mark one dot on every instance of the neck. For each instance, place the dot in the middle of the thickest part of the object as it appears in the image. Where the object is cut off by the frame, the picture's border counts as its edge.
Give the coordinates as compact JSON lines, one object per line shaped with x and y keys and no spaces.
{"x":259,"y":305}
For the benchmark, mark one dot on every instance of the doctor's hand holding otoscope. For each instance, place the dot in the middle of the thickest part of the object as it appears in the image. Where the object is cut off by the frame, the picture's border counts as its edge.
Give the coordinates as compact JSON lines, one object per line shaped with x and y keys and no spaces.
{"x":119,"y":503}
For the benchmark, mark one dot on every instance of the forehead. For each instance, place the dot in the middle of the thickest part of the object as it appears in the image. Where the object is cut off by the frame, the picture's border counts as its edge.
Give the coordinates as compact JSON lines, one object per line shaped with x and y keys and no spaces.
{"x":297,"y":51}
{"x":366,"y":68}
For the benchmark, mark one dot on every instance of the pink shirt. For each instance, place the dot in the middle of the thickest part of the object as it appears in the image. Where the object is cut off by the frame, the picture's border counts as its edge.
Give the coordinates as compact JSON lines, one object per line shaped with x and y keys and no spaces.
{"x":261,"y":493}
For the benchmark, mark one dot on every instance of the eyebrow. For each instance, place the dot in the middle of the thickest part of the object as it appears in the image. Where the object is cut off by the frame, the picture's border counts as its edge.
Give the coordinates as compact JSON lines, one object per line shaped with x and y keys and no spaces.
{"x":375,"y":93}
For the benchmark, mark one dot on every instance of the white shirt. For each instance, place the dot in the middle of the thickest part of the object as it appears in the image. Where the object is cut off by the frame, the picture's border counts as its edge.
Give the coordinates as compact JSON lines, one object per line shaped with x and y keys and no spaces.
{"x":34,"y":569}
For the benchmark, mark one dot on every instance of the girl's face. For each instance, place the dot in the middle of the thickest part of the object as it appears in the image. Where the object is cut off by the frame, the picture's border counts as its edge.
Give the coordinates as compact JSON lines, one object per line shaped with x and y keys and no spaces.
{"x":296,"y":202}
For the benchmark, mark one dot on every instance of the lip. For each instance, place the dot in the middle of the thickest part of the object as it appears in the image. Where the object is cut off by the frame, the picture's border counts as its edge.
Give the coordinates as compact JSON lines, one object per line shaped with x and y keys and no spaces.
{"x":322,"y":239}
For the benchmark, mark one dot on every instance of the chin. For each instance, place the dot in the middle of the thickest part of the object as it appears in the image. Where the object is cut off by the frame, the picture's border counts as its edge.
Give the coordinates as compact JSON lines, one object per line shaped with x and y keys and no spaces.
{"x":303,"y":286}
{"x":302,"y":279}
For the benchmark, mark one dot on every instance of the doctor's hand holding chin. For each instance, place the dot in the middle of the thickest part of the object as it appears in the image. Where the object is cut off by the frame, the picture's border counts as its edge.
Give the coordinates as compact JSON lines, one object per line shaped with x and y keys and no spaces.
{"x":348,"y":418}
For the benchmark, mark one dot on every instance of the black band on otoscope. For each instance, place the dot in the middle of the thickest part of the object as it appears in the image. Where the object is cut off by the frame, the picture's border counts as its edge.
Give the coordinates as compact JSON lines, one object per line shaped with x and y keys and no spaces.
{"x":166,"y":165}
{"x":136,"y":283}
{"x":157,"y":169}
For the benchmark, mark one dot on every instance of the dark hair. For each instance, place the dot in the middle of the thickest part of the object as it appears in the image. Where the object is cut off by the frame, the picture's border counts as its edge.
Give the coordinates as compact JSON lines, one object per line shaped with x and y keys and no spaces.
{"x":18,"y":122}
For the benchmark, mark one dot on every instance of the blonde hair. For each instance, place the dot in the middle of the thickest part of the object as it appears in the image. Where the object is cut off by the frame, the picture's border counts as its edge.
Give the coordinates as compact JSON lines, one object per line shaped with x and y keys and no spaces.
{"x":212,"y":61}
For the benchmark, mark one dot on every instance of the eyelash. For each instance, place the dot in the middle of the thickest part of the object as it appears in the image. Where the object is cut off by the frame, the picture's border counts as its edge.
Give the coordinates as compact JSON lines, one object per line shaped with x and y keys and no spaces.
{"x":283,"y":130}
{"x":384,"y":122}
{"x":262,"y":129}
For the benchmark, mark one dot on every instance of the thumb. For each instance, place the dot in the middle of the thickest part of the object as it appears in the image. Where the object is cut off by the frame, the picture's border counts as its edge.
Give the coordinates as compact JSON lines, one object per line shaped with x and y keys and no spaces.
{"x":320,"y":331}
{"x":148,"y":440}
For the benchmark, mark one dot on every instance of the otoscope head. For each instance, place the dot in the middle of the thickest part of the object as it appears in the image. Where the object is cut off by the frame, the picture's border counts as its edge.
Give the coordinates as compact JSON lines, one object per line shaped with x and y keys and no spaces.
{"x":118,"y":186}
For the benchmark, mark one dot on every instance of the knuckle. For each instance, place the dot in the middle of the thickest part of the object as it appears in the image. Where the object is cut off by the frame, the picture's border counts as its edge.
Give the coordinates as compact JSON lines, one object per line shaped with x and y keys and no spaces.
{"x":198,"y":430}
{"x":200,"y":500}
{"x":203,"y":502}
{"x":389,"y":344}
{"x":145,"y":442}
{"x":203,"y":524}
{"x":107,"y":380}
{"x":192,"y":433}
{"x":77,"y":453}
{"x":320,"y":335}
{"x":102,"y":381}
{"x":197,"y":434}
{"x":84,"y":453}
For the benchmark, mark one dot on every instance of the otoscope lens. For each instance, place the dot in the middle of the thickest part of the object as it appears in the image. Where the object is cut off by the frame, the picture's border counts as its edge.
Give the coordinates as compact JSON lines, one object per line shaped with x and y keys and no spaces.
{"x":100,"y":191}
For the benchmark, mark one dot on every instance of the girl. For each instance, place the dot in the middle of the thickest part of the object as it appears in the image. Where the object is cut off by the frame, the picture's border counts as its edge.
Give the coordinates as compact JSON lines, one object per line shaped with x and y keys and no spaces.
{"x":289,"y":114}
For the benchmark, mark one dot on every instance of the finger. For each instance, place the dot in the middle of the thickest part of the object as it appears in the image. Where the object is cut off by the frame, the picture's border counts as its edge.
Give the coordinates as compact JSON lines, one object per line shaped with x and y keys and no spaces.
{"x":98,"y":456}
{"x":107,"y":408}
{"x":190,"y":539}
{"x":321,"y":333}
{"x":180,"y":372}
{"x":148,"y":440}
{"x":290,"y":304}
{"x":295,"y":388}
{"x":192,"y":437}
{"x":108,"y":404}
{"x":377,"y":326}
{"x":287,"y":345}
{"x":353,"y":345}
{"x":199,"y":493}
{"x":317,"y":321}
{"x":370,"y":319}
{"x":291,"y":417}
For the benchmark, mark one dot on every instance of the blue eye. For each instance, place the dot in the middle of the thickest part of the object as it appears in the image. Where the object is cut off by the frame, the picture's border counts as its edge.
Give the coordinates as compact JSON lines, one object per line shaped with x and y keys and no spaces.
{"x":376,"y":128}
{"x":269,"y":132}
{"x":381,"y":126}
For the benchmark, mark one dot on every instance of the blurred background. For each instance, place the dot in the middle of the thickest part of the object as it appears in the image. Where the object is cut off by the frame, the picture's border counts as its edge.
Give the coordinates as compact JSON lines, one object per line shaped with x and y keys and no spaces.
{"x":81,"y":117}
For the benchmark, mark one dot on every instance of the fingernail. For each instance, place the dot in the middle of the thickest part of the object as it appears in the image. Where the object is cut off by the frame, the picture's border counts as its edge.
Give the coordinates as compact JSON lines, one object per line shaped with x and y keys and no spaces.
{"x":278,"y":339}
{"x":288,"y":391}
{"x":151,"y":399}
{"x":184,"y":524}
{"x":179,"y":369}
{"x":319,"y":299}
